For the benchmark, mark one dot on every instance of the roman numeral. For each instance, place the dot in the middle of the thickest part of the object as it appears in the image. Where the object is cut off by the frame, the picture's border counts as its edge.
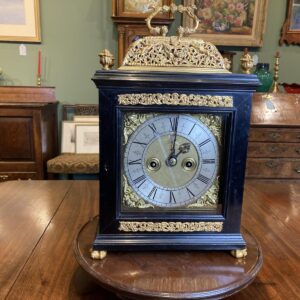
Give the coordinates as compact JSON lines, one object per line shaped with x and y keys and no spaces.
{"x":140,"y":179}
{"x":191,"y":195}
{"x":135,"y":162}
{"x":192,"y":129}
{"x":139,"y":143}
{"x":172,"y":198}
{"x":174,"y":123}
{"x":208,"y":161}
{"x":203,"y":179}
{"x":153,"y":128}
{"x":152,"y":193}
{"x":204,"y":143}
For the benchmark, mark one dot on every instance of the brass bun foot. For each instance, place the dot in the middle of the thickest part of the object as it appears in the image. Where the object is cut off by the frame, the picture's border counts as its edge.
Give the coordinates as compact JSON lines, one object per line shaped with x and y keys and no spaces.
{"x":239,"y":253}
{"x":98,"y":254}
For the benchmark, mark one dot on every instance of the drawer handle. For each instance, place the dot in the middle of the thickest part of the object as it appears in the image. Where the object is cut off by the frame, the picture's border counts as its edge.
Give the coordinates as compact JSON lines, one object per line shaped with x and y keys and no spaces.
{"x":272,"y":164}
{"x":3,"y":177}
{"x":274,"y":135}
{"x":276,"y":149}
{"x":298,"y":151}
{"x":297,"y":170}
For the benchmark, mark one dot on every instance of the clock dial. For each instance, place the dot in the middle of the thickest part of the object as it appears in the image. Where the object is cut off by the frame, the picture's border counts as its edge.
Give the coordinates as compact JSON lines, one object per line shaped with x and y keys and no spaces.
{"x":171,"y":160}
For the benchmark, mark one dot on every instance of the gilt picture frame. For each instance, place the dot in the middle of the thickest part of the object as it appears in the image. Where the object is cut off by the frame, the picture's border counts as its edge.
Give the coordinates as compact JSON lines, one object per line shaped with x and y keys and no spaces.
{"x":229,"y":22}
{"x":138,"y":8}
{"x":291,"y":27}
{"x":20,"y":21}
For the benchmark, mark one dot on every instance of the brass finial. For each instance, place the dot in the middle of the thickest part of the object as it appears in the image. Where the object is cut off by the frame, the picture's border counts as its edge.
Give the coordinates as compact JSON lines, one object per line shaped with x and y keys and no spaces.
{"x":107,"y":60}
{"x":246,"y":62}
{"x":275,"y":85}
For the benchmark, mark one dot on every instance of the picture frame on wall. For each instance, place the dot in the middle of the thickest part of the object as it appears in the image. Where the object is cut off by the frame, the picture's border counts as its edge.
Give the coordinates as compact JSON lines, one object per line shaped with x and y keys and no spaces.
{"x":138,"y":8}
{"x":229,"y":22}
{"x":87,"y":138}
{"x":20,"y":21}
{"x":291,"y":27}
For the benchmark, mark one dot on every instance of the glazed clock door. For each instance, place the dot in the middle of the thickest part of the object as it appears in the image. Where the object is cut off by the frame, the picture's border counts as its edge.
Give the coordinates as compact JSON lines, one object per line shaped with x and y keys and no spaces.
{"x":170,"y":163}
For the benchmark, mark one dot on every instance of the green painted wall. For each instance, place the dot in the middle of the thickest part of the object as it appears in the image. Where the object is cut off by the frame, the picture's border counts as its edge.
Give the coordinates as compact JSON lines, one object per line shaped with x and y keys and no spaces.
{"x":74,"y":31}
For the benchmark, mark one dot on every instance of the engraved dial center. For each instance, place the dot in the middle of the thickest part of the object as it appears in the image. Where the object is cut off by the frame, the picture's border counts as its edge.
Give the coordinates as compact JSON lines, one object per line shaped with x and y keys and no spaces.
{"x":171,"y":173}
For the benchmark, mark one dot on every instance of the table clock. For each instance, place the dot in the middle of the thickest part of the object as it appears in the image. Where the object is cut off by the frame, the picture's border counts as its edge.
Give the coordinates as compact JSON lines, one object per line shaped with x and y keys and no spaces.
{"x":174,"y":130}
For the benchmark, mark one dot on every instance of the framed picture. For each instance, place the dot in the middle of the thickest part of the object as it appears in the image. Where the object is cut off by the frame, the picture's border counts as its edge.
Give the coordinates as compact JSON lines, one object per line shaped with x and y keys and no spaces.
{"x":68,"y":135}
{"x":229,"y":22}
{"x":86,"y":118}
{"x":291,"y":27}
{"x":129,"y":33}
{"x":20,"y":21}
{"x":87,"y":138}
{"x":138,"y":8}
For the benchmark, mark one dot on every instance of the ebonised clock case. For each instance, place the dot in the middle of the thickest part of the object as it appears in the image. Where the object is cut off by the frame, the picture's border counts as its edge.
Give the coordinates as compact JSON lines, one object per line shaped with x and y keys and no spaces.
{"x":237,"y":119}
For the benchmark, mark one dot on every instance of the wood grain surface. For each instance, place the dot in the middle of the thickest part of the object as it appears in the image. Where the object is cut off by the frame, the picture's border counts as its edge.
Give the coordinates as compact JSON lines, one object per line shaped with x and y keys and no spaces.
{"x":39,"y":221}
{"x":170,"y":275}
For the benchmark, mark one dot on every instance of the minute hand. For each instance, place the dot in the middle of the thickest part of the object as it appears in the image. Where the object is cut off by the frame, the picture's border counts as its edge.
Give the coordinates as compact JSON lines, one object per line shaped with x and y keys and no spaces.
{"x":174,"y":126}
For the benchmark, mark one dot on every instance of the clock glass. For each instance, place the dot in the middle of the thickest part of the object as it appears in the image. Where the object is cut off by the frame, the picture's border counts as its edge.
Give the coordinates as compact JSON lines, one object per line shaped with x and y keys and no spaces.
{"x":171,"y":161}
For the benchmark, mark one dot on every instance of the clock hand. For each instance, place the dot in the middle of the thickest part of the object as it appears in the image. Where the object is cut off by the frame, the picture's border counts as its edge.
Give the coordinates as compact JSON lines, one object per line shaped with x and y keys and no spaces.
{"x":174,"y":127}
{"x":184,"y":148}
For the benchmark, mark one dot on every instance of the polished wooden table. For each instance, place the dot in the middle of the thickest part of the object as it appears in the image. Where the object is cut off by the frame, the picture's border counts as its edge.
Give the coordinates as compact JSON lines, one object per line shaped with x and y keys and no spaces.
{"x":39,"y":221}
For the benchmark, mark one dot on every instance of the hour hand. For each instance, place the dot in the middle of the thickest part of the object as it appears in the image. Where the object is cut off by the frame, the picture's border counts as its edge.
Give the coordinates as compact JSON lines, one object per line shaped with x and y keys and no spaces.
{"x":183,"y":148}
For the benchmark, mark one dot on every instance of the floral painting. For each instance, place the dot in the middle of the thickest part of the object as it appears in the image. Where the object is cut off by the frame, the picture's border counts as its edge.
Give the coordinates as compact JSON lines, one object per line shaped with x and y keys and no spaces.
{"x":230,"y":22}
{"x":142,"y":6}
{"x":231,"y":16}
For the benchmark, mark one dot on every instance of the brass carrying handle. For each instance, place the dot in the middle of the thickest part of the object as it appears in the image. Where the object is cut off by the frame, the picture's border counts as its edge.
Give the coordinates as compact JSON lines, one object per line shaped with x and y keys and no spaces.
{"x":297,"y":170}
{"x":163,"y":30}
{"x":298,"y":150}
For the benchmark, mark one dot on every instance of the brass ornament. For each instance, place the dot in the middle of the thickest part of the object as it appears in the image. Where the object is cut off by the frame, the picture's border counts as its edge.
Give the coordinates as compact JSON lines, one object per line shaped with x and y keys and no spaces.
{"x":209,"y":199}
{"x":170,"y":226}
{"x":106,"y":59}
{"x":246,"y":62}
{"x":131,"y":199}
{"x":214,"y":123}
{"x":173,"y":8}
{"x":132,"y":122}
{"x":175,"y":99}
{"x":99,"y":255}
{"x":275,"y":85}
{"x":161,"y":53}
{"x":185,"y":54}
{"x":239,"y":253}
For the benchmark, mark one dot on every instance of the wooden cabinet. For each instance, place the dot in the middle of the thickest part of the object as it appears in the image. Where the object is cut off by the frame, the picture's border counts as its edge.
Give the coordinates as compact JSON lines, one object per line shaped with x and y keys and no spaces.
{"x":274,"y":141}
{"x":28,"y":131}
